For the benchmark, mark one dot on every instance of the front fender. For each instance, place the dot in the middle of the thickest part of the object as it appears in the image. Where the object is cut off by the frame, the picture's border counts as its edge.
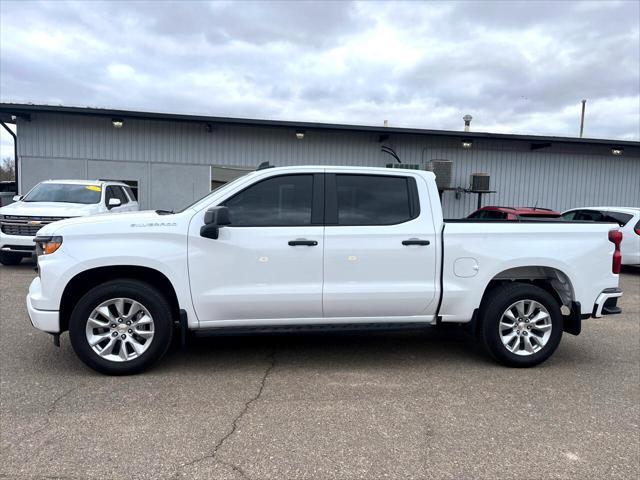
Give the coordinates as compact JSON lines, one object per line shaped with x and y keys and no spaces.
{"x":166,"y":254}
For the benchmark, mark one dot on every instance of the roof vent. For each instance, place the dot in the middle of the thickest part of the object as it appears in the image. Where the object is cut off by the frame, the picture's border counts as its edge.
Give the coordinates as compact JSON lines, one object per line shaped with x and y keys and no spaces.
{"x":467,"y":122}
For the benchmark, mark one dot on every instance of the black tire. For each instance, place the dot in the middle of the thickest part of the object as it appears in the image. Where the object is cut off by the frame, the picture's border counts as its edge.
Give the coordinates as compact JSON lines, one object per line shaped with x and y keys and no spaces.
{"x":136,"y":290}
{"x":491,"y":314}
{"x":7,"y":258}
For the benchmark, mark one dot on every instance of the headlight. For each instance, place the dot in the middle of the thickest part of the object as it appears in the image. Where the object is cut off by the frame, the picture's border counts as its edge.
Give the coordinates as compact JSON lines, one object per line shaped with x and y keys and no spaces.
{"x":47,"y":245}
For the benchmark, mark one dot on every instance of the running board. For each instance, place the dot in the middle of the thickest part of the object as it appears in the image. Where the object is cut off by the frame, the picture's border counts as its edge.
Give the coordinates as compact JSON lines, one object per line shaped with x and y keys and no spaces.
{"x":322,"y":328}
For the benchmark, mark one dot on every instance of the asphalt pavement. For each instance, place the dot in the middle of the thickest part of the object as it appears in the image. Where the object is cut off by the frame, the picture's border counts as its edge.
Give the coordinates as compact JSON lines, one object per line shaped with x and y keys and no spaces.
{"x":322,"y":406}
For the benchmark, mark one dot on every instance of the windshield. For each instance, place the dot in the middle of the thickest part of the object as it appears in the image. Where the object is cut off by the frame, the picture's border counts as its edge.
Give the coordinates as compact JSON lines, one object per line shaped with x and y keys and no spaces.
{"x":64,"y":193}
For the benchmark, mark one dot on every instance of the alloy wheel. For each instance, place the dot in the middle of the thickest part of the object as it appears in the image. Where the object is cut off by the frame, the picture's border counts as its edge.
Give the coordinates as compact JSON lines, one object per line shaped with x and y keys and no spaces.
{"x":120,"y":329}
{"x":525,"y":327}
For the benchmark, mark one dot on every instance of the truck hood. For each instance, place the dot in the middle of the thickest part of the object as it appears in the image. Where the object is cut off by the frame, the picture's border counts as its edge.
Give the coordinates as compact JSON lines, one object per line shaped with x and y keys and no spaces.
{"x":128,"y":219}
{"x":49,"y":209}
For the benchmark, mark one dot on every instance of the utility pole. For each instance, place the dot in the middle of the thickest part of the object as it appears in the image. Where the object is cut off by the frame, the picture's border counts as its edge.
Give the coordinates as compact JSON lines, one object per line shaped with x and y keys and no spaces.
{"x":582,"y":118}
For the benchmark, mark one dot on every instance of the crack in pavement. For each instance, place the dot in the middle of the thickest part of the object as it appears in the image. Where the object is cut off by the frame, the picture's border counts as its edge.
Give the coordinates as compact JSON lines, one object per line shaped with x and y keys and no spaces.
{"x":236,"y":468}
{"x":47,"y":424}
{"x":234,"y":424}
{"x":50,"y":411}
{"x":57,"y":400}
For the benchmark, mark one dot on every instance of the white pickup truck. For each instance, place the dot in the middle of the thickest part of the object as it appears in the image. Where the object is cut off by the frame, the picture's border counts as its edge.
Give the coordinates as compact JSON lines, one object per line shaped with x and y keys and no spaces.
{"x":318,"y":247}
{"x":54,"y":200}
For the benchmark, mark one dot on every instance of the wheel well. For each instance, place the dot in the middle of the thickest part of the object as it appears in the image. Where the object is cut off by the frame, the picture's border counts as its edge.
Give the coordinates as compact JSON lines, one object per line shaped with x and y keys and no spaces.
{"x":550,"y":279}
{"x":85,"y":281}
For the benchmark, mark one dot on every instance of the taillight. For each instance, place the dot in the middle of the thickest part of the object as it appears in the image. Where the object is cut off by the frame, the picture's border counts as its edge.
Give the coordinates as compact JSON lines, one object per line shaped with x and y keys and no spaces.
{"x":637,"y":228}
{"x":615,"y":237}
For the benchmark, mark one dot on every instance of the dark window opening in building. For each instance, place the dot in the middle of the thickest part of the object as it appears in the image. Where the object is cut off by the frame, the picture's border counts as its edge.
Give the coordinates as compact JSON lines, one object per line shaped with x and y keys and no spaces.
{"x":221,"y":175}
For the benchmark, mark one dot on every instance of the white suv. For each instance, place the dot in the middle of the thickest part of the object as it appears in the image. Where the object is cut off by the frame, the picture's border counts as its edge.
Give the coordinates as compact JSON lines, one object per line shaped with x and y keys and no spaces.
{"x":627,"y":217}
{"x":55,"y":200}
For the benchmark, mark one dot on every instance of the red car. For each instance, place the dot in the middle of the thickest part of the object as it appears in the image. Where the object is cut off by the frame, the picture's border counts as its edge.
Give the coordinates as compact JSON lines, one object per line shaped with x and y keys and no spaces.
{"x":514,"y":213}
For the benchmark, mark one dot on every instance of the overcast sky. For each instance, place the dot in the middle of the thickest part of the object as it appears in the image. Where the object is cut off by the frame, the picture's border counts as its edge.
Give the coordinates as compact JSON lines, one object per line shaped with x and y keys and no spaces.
{"x":516,"y":67}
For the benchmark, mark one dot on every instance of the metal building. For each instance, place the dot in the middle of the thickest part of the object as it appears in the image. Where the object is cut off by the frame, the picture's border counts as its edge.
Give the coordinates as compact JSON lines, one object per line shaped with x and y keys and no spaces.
{"x":174,"y":159}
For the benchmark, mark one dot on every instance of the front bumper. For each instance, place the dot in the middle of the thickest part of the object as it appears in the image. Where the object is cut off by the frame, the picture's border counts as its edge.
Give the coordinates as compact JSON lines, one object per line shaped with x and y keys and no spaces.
{"x":17,"y":244}
{"x":45,"y":320}
{"x":607,"y":303}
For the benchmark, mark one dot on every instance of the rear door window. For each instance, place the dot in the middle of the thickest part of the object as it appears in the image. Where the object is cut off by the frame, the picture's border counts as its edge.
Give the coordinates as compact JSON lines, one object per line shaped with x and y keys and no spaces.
{"x":374,"y":200}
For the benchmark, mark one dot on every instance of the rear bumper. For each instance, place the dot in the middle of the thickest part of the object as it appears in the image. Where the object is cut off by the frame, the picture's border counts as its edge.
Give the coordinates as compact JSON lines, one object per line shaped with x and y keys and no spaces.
{"x":607,"y":303}
{"x":45,"y":320}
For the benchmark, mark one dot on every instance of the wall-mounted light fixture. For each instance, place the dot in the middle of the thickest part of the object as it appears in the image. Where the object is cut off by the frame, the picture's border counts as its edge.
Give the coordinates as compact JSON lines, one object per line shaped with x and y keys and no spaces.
{"x":617,"y":151}
{"x":117,"y":122}
{"x":466,"y":143}
{"x":299,"y":134}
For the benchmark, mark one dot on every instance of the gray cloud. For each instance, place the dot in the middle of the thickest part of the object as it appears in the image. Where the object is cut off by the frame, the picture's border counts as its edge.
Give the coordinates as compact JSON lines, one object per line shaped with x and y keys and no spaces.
{"x":516,"y":67}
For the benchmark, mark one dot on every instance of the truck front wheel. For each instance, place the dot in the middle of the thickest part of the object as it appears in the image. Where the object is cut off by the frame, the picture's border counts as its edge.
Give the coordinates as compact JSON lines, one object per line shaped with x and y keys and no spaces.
{"x":521,"y":324}
{"x":121,"y":327}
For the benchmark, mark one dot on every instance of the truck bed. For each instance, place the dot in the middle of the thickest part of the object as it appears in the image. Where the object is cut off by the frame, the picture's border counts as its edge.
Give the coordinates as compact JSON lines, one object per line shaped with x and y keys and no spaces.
{"x":475,"y":252}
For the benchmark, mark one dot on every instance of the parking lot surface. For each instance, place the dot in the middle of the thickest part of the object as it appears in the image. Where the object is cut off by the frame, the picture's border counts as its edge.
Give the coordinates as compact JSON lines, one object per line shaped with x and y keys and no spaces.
{"x":329,"y":406}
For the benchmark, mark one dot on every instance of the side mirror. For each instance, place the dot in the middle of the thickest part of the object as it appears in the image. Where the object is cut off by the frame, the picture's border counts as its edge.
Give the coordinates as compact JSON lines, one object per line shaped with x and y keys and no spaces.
{"x":114,"y":202}
{"x":17,"y":198}
{"x":214,"y":218}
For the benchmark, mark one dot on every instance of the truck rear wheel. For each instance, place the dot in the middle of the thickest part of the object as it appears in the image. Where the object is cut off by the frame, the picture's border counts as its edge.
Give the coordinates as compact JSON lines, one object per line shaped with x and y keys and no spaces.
{"x":521,"y":324}
{"x":121,"y":327}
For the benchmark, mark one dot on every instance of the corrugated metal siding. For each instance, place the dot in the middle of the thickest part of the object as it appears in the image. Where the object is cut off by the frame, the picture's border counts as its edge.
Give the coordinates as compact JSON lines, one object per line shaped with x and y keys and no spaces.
{"x":560,"y":177}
